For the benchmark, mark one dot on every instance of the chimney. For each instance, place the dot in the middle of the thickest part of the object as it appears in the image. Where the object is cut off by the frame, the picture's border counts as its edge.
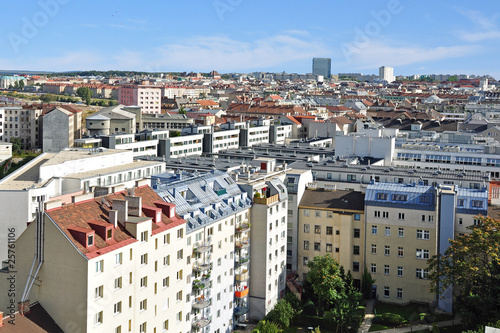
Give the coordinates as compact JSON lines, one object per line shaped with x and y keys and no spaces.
{"x":121,"y":206}
{"x":134,"y":205}
{"x":113,"y":218}
{"x":24,"y":307}
{"x":167,"y":208}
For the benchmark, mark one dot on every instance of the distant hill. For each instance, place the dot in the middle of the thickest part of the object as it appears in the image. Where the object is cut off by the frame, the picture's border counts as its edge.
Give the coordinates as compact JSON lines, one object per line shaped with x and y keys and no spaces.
{"x":11,"y":72}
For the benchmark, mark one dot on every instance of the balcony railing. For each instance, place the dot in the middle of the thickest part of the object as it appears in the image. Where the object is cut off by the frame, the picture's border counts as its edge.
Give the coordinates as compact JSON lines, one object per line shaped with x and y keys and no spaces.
{"x":202,"y":247}
{"x":243,"y":227}
{"x":201,"y":302}
{"x":266,"y":201}
{"x":238,"y":311}
{"x":201,"y":322}
{"x":242,"y":243}
{"x":201,"y":266}
{"x":241,"y":260}
{"x":242,"y":276}
{"x":241,"y":293}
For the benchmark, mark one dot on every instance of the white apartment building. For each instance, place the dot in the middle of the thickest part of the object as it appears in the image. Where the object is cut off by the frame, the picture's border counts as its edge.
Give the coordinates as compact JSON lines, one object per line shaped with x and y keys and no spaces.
{"x":386,"y":74}
{"x":221,"y":140}
{"x":66,"y":176}
{"x":268,"y":234}
{"x":217,"y":213}
{"x":181,"y":146}
{"x":117,"y":263}
{"x":253,"y":136}
{"x":129,"y":142}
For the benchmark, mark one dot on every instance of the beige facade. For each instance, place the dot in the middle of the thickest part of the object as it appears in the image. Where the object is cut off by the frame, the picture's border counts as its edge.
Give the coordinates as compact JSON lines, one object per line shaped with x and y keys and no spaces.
{"x":331,"y":226}
{"x":398,"y":243}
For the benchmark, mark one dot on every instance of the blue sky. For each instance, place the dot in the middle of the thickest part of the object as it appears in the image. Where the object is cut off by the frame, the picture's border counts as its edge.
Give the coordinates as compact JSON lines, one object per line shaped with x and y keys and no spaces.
{"x":414,"y":37}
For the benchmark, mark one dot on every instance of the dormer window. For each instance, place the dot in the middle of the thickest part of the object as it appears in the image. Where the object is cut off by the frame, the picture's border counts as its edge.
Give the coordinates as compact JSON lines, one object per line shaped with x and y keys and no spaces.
{"x":90,"y":240}
{"x":109,"y":234}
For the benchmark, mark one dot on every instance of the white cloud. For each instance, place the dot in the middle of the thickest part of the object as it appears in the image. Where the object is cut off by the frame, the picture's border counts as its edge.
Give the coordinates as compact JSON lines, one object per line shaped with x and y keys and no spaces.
{"x":477,"y":17}
{"x":479,"y":36}
{"x":374,"y":54}
{"x":81,"y":60}
{"x":226,"y":54}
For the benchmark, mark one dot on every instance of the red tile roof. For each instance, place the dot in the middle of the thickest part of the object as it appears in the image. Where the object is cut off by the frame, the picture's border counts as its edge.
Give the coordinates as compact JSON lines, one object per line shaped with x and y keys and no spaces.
{"x":78,"y":216}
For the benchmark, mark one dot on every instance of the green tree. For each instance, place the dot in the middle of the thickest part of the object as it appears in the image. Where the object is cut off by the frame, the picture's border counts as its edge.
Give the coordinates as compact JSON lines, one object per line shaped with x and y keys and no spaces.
{"x":174,"y":134}
{"x":85,"y":94}
{"x":182,"y":110}
{"x":472,"y":265}
{"x":47,"y":98}
{"x":265,"y":326}
{"x":21,"y":85}
{"x":453,"y":78}
{"x":11,"y":87}
{"x":16,"y":85}
{"x":282,"y":314}
{"x":366,"y":284}
{"x":334,"y":290}
{"x":17,"y":146}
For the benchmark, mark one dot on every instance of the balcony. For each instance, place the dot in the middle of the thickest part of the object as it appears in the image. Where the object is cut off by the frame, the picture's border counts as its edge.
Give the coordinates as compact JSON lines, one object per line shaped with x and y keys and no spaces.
{"x":241,"y":293}
{"x":266,"y":201}
{"x":202,"y":247}
{"x":201,"y":302}
{"x":243,"y":227}
{"x":243,"y":276}
{"x":242,"y":244}
{"x":201,"y":266}
{"x":201,"y":322}
{"x":238,"y":311}
{"x":241,"y":260}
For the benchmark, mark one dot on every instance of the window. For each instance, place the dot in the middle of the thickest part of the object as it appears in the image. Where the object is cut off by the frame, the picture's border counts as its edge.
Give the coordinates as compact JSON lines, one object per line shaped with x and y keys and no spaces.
{"x":373,"y":268}
{"x":118,"y":283}
{"x":99,"y":266}
{"x":401,"y":216}
{"x":381,"y":196}
{"x":306,"y":228}
{"x":374,"y":229}
{"x":376,"y":213}
{"x":144,"y":236}
{"x":317,"y":246}
{"x":178,"y":296}
{"x":386,"y":291}
{"x":357,"y":217}
{"x":460,"y":221}
{"x":386,"y":269}
{"x":166,"y":282}
{"x":317,"y":213}
{"x":144,"y":282}
{"x":329,"y":230}
{"x":142,"y":328}
{"x":306,"y":212}
{"x":401,"y":251}
{"x":118,"y":329}
{"x":180,"y":233}
{"x":305,"y":260}
{"x":460,"y":202}
{"x":422,"y":254}
{"x":400,"y":271}
{"x":306,"y":245}
{"x":399,"y":293}
{"x":387,"y":250}
{"x":329,"y":247}
{"x":387,"y":231}
{"x":477,"y":204}
{"x":385,"y":215}
{"x":118,"y":258}
{"x":355,"y":266}
{"x":355,"y":249}
{"x":357,"y":233}
{"x":180,"y":254}
{"x":423,"y":234}
{"x":329,"y":214}
{"x":401,"y":232}
{"x":179,"y":275}
{"x":421,"y":273}
{"x":431,"y":218}
{"x":99,"y":292}
{"x":144,"y":259}
{"x":90,"y":240}
{"x":117,"y":308}
{"x":374,"y":248}
{"x":423,"y":218}
{"x":165,"y":325}
{"x":166,"y":260}
{"x":98,"y":318}
{"x":317,"y":229}
{"x":179,"y":316}
{"x":143,"y":305}
{"x":400,"y":197}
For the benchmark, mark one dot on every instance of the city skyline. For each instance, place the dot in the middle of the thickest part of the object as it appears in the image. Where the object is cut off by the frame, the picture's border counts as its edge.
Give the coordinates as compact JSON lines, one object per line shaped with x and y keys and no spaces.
{"x":239,"y":36}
